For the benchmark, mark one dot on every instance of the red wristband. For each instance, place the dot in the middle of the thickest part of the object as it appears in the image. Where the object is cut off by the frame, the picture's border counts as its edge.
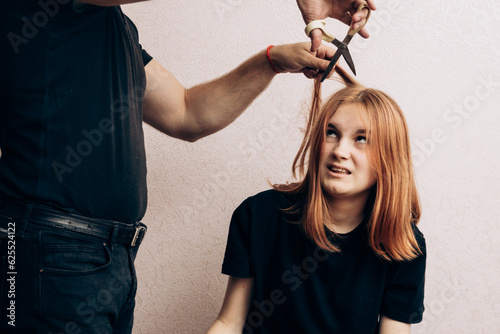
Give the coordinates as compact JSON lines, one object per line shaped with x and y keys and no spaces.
{"x":268,"y":54}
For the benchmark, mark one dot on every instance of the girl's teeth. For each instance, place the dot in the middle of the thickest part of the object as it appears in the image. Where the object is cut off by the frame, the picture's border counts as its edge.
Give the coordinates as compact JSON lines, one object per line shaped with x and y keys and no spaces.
{"x":337,"y":170}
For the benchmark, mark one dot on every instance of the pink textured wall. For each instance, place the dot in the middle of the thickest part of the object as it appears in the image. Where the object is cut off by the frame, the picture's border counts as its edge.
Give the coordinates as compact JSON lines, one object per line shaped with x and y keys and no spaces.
{"x":439,"y":60}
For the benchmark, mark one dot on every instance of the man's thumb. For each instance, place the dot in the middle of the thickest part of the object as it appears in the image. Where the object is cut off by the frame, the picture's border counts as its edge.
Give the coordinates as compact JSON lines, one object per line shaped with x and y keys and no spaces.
{"x":316,"y":38}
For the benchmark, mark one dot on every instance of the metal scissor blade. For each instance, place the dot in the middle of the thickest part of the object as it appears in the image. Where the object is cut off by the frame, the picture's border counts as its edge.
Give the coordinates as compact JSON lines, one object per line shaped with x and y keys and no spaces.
{"x":348,"y":59}
{"x":334,"y":60}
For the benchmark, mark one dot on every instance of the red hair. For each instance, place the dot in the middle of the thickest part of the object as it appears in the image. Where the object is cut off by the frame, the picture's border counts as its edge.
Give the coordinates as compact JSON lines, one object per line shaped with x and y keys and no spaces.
{"x":393,"y":205}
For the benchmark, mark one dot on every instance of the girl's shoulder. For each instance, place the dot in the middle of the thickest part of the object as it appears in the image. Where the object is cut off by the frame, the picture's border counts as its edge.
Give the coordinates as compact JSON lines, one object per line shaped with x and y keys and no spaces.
{"x":274,"y":200}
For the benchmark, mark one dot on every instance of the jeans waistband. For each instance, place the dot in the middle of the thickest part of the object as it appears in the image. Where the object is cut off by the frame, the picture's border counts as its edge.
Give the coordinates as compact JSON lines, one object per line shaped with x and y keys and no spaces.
{"x":113,"y":231}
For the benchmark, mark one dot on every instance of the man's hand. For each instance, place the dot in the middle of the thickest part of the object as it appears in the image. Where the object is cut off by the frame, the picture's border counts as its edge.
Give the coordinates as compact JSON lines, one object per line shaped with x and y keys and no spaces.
{"x":295,"y":58}
{"x":342,"y":10}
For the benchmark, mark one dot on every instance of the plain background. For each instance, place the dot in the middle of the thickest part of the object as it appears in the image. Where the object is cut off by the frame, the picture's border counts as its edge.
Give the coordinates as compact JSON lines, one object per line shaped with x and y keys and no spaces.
{"x":439,"y":59}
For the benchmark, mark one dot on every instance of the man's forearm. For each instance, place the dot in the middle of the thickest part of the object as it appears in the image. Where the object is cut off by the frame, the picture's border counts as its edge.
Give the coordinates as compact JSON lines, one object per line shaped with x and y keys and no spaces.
{"x":204,"y":109}
{"x":216,"y":104}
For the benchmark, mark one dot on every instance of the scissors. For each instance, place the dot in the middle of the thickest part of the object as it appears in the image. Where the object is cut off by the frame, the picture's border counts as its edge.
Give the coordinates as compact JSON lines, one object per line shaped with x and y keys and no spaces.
{"x":342,"y":49}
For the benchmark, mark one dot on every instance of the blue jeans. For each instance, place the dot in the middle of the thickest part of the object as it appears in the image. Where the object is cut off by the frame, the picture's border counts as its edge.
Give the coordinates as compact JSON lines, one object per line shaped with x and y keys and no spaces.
{"x":55,"y":281}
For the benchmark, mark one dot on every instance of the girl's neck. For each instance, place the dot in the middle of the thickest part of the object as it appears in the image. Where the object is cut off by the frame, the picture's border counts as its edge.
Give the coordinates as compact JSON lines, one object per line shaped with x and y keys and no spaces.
{"x":347,"y":214}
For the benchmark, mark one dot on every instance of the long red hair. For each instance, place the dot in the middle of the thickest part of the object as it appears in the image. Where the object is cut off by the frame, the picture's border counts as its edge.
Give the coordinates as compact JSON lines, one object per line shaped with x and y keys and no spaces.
{"x":393,"y":205}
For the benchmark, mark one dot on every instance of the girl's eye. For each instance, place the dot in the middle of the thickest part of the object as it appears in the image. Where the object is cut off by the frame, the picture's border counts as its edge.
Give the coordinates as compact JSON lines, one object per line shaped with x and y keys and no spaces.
{"x":331,"y":133}
{"x":361,"y":139}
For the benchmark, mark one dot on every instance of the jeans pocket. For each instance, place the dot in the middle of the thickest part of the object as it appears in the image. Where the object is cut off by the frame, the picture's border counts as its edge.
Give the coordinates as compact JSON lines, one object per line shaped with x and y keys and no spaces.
{"x":68,"y":254}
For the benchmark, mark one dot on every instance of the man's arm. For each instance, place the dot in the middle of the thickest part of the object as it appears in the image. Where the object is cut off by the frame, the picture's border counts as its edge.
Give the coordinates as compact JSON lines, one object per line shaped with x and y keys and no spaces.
{"x":233,"y":313}
{"x":190,"y":114}
{"x":389,"y":326}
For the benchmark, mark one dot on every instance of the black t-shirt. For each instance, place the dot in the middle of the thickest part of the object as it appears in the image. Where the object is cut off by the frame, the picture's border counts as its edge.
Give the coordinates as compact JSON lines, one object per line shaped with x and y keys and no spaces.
{"x":72,"y":84}
{"x":299,"y":288}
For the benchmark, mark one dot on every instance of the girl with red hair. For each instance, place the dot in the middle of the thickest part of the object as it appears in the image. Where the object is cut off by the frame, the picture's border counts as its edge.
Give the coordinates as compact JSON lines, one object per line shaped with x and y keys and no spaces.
{"x":338,"y":251}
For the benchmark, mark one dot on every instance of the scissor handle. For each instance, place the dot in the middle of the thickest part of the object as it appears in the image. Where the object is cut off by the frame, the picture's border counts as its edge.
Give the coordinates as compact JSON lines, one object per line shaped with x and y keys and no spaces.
{"x":364,"y":5}
{"x":319,"y":24}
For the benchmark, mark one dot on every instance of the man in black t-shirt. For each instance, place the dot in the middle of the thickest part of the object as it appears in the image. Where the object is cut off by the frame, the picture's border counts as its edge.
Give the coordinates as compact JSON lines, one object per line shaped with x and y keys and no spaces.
{"x":73,"y":97}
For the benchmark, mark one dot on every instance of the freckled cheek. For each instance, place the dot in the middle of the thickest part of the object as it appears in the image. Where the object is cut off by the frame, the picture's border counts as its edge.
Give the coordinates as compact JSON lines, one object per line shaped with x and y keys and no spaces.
{"x":364,"y":168}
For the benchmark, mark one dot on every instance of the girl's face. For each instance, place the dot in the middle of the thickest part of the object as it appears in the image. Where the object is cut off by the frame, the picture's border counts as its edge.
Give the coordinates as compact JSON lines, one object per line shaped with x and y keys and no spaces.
{"x":344,"y":169}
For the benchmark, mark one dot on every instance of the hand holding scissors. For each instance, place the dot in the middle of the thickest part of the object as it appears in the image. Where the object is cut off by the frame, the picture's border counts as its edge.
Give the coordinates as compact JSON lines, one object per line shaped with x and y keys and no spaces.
{"x":342,"y":49}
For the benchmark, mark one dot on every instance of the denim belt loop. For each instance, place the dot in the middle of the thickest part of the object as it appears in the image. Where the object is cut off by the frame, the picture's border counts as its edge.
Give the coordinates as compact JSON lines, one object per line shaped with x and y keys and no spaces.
{"x":115,"y":235}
